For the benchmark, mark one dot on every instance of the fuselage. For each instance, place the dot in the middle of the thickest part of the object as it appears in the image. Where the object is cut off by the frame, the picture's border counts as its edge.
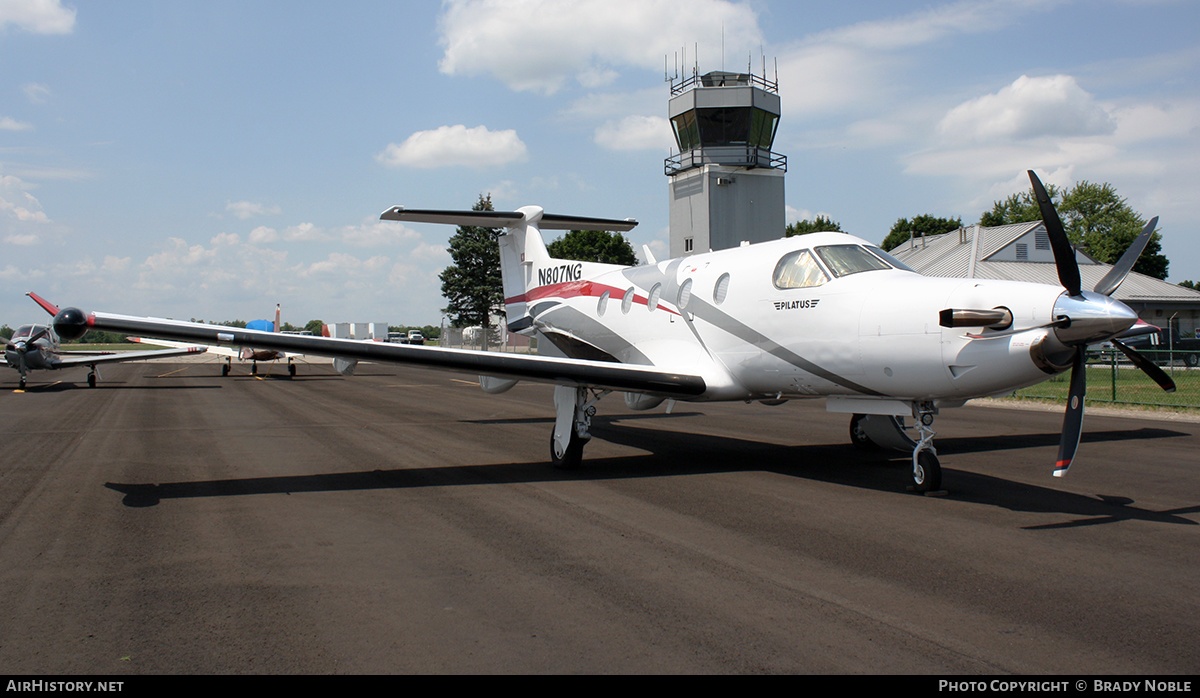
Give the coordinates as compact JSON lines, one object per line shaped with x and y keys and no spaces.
{"x":813,"y":315}
{"x":32,"y":347}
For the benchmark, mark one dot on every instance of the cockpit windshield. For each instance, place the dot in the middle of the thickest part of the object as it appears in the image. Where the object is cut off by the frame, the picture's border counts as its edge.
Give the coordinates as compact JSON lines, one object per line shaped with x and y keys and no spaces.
{"x":27,"y":331}
{"x":844,"y":260}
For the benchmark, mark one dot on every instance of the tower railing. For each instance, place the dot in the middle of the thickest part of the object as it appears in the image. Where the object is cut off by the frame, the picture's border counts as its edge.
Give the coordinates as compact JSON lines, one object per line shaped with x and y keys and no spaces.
{"x":731,"y":80}
{"x":731,"y":155}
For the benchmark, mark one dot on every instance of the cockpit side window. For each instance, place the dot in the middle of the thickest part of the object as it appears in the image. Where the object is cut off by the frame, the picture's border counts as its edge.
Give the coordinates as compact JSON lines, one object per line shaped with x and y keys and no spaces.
{"x":844,"y":260}
{"x":798,"y":270}
{"x":891,"y":260}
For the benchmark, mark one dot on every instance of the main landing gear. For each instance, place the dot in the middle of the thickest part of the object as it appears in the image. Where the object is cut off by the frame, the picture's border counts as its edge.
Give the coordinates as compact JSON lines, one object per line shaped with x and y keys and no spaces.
{"x":876,"y":431}
{"x":574,"y":408}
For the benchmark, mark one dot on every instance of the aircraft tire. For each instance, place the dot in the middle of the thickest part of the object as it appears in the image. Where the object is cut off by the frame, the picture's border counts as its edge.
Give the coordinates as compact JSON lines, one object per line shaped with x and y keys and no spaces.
{"x":858,"y":436}
{"x":291,"y":369}
{"x":91,"y":380}
{"x":928,"y":475}
{"x":572,"y":457}
{"x":225,"y":370}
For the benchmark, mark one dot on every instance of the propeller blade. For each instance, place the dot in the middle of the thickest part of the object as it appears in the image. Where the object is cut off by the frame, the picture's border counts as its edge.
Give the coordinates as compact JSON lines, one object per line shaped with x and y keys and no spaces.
{"x":1064,"y":254}
{"x":1117,"y":274}
{"x":1148,"y":367}
{"x":1073,"y":420}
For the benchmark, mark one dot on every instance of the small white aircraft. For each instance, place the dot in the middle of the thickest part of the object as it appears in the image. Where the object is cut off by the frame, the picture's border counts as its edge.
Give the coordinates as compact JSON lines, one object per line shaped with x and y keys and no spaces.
{"x":820,"y":315}
{"x":36,"y":347}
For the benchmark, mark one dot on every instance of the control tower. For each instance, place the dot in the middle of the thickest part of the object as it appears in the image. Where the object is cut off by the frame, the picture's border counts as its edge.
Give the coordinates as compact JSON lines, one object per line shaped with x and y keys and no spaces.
{"x":726,"y":184}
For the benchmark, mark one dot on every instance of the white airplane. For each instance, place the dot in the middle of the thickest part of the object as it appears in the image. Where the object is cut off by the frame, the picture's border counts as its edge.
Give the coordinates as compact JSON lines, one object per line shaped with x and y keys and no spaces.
{"x":36,"y":347}
{"x":820,"y":315}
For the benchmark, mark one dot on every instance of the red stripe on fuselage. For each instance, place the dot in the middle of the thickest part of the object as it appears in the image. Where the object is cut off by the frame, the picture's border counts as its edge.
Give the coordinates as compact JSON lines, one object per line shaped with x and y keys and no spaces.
{"x":574,"y":289}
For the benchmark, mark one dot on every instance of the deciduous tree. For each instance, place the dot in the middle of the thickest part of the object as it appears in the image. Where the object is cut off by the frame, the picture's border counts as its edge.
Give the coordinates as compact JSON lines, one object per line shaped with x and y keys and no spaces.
{"x":593,"y":246}
{"x":816,"y":225}
{"x":919,"y":226}
{"x":1094,"y":216}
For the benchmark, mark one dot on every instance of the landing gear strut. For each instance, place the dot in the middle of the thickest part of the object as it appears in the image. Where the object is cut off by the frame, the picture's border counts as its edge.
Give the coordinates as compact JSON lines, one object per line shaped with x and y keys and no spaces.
{"x":927,"y":470}
{"x":574,"y":408}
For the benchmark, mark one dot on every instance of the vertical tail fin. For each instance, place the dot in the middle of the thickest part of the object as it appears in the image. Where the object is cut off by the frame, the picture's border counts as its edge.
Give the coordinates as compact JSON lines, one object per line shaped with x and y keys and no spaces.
{"x":522,"y":251}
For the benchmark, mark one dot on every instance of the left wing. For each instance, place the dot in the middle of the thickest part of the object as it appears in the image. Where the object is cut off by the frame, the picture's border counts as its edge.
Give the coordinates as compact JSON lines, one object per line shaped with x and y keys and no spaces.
{"x":222,"y":351}
{"x":66,"y":359}
{"x":71,"y":323}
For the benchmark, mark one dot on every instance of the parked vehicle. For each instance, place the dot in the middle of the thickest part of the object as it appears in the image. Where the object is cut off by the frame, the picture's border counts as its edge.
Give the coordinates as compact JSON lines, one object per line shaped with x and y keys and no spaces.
{"x":1166,"y":346}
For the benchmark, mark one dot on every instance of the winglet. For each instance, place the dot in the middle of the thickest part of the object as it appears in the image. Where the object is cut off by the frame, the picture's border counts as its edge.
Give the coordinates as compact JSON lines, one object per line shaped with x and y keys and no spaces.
{"x":46,"y":305}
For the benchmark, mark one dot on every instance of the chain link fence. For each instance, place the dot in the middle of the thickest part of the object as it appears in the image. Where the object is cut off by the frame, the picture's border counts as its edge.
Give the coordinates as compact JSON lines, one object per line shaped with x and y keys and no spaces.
{"x":495,"y":339}
{"x":1112,"y":379}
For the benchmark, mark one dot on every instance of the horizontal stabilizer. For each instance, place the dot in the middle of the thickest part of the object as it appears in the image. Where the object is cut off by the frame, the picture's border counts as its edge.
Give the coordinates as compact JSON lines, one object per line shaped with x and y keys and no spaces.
{"x":505,"y":219}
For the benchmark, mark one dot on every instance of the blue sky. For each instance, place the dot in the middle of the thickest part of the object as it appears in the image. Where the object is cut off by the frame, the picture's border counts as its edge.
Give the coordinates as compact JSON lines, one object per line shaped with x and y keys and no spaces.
{"x":210,"y":159}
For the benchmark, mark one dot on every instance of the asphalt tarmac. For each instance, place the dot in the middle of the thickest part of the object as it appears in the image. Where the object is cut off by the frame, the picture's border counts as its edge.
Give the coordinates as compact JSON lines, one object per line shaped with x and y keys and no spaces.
{"x":402,"y":521}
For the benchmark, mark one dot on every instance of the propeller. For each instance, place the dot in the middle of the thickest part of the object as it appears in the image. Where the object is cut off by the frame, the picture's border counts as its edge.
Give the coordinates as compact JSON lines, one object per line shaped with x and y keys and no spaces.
{"x":1091,"y":317}
{"x":21,"y":348}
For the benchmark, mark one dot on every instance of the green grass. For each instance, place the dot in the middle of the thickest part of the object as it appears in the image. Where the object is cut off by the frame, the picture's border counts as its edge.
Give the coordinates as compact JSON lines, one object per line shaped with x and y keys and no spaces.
{"x":1132,"y":387}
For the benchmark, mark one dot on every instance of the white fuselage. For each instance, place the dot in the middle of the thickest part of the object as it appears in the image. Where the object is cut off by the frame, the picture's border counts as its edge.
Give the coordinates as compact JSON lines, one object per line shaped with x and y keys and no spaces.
{"x":722,"y":315}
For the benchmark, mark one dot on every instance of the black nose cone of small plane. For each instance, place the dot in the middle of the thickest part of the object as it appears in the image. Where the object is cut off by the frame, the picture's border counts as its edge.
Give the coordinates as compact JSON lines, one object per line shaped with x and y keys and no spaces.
{"x":70,"y":323}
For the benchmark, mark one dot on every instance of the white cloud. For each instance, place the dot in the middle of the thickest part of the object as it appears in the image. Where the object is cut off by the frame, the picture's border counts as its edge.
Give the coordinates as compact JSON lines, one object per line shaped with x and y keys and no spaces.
{"x":855,"y":67}
{"x":19,"y":204}
{"x":35,"y":93}
{"x":636,"y":133}
{"x":245,"y":210}
{"x":539,"y":45}
{"x":456,"y":146}
{"x":10,"y":124}
{"x":1029,"y":108}
{"x":37,"y":16}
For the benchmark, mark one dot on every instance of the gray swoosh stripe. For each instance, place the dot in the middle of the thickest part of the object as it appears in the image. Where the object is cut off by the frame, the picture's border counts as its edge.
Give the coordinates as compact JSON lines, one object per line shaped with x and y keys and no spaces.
{"x":724,"y":321}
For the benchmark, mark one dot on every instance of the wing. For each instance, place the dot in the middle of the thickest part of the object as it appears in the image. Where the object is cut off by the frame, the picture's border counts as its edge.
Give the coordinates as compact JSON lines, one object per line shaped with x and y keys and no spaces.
{"x":66,"y":359}
{"x":71,"y":322}
{"x":221,"y":351}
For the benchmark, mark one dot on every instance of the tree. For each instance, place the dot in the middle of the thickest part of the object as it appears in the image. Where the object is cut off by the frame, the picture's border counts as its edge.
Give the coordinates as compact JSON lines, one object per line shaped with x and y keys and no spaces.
{"x":1194,"y":285}
{"x":919,"y":226}
{"x":593,"y":246}
{"x":471,"y":285}
{"x":1094,"y":216}
{"x":817,"y":225}
{"x":314,"y":327}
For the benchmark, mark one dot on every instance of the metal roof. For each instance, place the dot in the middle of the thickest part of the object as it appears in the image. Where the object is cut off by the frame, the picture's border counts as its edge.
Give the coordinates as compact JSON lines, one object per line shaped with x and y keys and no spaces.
{"x":975,"y":252}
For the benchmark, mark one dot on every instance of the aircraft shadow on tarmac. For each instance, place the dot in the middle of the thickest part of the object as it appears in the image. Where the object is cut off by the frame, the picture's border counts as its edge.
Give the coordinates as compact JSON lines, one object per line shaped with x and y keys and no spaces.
{"x":674,"y":454}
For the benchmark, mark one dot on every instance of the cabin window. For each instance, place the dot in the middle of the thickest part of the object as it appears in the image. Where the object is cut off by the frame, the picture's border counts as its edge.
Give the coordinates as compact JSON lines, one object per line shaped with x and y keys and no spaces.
{"x":652,"y":301}
{"x":844,"y":260}
{"x":627,"y":301}
{"x":721,"y":290}
{"x":685,"y":295}
{"x":602,"y":305}
{"x":798,"y":270}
